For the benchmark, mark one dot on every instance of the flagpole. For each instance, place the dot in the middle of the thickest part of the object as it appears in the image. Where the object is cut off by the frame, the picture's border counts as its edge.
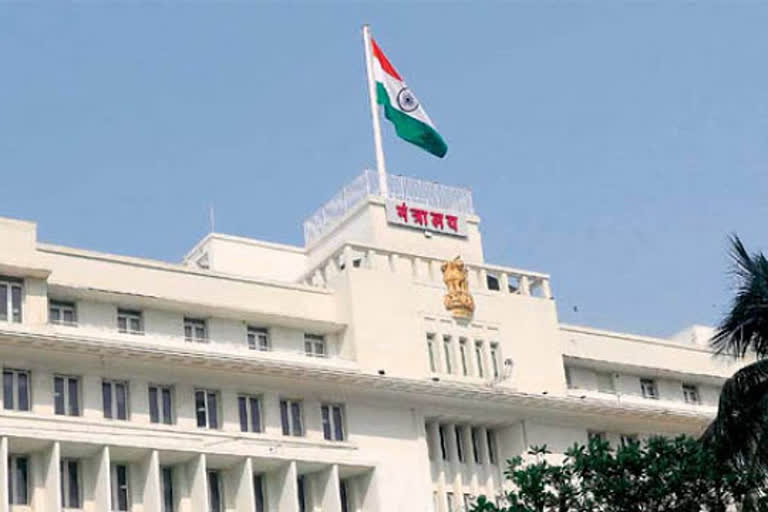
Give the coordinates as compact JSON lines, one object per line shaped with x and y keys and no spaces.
{"x":380,"y":165}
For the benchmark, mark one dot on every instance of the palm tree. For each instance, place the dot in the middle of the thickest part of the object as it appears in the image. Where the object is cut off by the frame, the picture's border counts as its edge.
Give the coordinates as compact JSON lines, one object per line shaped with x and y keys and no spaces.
{"x":739,"y":433}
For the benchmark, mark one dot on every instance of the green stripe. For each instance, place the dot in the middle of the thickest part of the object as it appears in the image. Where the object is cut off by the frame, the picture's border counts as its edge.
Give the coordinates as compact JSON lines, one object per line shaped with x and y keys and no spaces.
{"x":410,"y":129}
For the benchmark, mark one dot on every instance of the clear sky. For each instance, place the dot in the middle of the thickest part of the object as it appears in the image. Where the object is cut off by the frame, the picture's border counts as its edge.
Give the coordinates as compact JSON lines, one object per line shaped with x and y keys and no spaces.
{"x":612,"y":146}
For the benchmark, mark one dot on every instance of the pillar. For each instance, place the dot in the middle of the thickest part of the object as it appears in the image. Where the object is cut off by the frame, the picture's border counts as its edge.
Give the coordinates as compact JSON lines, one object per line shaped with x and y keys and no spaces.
{"x":151,"y":487}
{"x":281,"y":489}
{"x":198,"y":484}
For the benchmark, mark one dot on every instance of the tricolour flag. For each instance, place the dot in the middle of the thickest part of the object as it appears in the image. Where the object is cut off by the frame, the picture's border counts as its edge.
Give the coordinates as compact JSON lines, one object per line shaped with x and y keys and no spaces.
{"x":402,"y":108}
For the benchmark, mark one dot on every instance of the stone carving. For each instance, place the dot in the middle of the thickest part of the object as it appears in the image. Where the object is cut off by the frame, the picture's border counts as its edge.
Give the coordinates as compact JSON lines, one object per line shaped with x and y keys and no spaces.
{"x":458,"y":299}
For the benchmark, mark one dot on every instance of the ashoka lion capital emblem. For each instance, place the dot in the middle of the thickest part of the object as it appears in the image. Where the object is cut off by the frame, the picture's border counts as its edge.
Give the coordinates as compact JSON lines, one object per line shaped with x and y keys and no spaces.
{"x":458,"y":299}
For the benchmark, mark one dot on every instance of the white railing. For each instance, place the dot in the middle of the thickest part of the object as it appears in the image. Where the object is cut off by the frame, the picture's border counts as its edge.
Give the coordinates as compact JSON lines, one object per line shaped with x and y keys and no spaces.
{"x":403,"y":188}
{"x":492,"y":278}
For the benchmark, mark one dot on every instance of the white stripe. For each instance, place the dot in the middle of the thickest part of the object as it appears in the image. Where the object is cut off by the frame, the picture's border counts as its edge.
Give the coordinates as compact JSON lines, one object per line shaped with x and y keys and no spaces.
{"x":393,"y":87}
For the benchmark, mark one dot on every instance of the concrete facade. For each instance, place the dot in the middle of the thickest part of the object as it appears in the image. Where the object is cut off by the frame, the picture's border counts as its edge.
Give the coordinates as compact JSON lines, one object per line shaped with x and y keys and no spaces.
{"x":400,"y":405}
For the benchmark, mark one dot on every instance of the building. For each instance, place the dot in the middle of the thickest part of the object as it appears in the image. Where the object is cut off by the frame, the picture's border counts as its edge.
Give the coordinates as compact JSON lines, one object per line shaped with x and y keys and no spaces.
{"x":336,"y":376}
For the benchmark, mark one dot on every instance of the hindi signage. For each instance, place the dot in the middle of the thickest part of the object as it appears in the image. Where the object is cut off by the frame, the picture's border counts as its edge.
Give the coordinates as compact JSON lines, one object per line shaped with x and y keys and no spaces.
{"x":414,"y":215}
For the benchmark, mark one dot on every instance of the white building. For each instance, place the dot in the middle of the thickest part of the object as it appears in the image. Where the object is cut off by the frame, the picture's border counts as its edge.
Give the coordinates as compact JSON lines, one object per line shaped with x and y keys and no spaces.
{"x":258,"y":376}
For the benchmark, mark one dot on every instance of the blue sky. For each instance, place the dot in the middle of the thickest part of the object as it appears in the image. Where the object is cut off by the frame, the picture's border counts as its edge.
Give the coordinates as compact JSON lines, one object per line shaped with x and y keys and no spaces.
{"x":613,"y":146}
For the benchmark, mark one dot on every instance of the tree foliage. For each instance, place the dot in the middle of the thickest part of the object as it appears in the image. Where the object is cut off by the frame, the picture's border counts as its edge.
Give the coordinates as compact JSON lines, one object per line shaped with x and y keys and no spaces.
{"x":660,"y":474}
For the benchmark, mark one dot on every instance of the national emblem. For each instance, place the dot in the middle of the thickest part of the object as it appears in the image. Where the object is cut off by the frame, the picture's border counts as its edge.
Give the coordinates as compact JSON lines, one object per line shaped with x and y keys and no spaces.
{"x":458,"y":299}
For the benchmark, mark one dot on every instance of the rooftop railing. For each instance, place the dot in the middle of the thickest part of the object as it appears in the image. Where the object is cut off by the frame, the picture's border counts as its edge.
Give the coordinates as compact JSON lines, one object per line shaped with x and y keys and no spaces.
{"x":492,"y":278}
{"x":403,"y":188}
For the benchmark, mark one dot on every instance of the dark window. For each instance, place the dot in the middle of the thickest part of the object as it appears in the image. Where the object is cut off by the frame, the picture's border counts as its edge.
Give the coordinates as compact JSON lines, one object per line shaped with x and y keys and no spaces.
{"x":443,"y":448}
{"x":66,"y":398}
{"x":215,"y":496}
{"x":249,"y":408}
{"x":460,"y":442}
{"x":491,"y":446}
{"x":258,"y":493}
{"x":167,"y":489}
{"x":344,"y":495}
{"x":160,"y":404}
{"x":206,"y":405}
{"x":195,"y":329}
{"x":16,"y":389}
{"x":291,"y":418}
{"x":333,"y":422}
{"x":130,"y":321}
{"x":115,"y":399}
{"x":475,"y":446}
{"x":258,"y":339}
{"x":302,"y":493}
{"x":18,"y":480}
{"x":120,"y":488}
{"x":62,"y":313}
{"x":70,"y":484}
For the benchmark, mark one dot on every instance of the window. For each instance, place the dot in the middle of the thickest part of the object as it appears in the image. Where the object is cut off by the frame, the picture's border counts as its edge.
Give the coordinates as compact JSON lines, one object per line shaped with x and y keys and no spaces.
{"x":431,"y":352}
{"x":493,"y":282}
{"x":168,"y":498}
{"x":250,"y":413}
{"x":258,"y":339}
{"x":10,"y":300}
{"x":595,"y":435}
{"x":333,"y":421}
{"x":344,"y":495}
{"x":443,"y":447}
{"x":70,"y":484}
{"x":215,"y":492}
{"x":258,"y":493}
{"x":479,"y":358}
{"x":314,"y":345}
{"x":161,"y":404}
{"x":628,"y":438}
{"x":66,"y":395}
{"x":206,"y":406}
{"x":463,"y":356}
{"x":129,"y":321}
{"x":63,"y":313}
{"x":16,"y":389}
{"x":691,"y":394}
{"x":605,"y":382}
{"x":460,"y":443}
{"x":195,"y":329}
{"x":495,"y":359}
{"x":648,"y":388}
{"x":301,"y":492}
{"x":449,"y":502}
{"x":476,"y":445}
{"x":114,"y":395}
{"x":491,"y":446}
{"x":291,"y":418}
{"x":18,"y":480}
{"x":119,"y":487}
{"x":448,"y":358}
{"x":467,"y":502}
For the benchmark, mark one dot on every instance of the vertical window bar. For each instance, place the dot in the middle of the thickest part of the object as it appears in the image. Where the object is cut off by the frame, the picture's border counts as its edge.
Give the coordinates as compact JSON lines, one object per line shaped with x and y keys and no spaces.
{"x":255,"y":414}
{"x":106,"y":397}
{"x":284,"y":417}
{"x":58,"y":394}
{"x":242,"y":407}
{"x":154,"y":412}
{"x":8,"y":389}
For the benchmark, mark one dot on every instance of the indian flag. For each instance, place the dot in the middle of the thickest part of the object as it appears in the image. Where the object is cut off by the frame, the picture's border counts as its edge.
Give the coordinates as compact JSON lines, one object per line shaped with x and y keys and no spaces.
{"x":402,"y":108}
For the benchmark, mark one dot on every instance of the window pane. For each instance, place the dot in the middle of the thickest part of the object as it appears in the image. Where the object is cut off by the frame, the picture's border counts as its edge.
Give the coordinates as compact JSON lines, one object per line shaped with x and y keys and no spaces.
{"x":255,"y":415}
{"x":258,"y":492}
{"x":135,"y":324}
{"x":241,"y":406}
{"x":308,"y":347}
{"x":121,"y":397}
{"x":106,"y":398}
{"x":200,"y":408}
{"x":188,"y":332}
{"x":326,"y":422}
{"x":284,"y":417}
{"x":167,"y":490}
{"x":344,"y":498}
{"x":58,"y":395}
{"x":320,"y":348}
{"x":3,"y":302}
{"x":251,"y":341}
{"x":301,"y":493}
{"x":8,"y":389}
{"x":167,"y":407}
{"x":122,"y":324}
{"x":154,"y":412}
{"x":16,"y":303}
{"x":22,"y":475}
{"x":296,"y":419}
{"x":69,"y":316}
{"x":213,"y":491}
{"x":54,"y":315}
{"x":22,"y":379}
{"x":122,"y":488}
{"x":74,"y":397}
{"x":74,"y":485}
{"x":338,"y":423}
{"x":213,"y":411}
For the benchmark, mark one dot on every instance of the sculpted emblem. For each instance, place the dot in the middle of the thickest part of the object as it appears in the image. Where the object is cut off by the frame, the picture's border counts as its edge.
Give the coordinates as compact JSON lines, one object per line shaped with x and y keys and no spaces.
{"x":458,"y":299}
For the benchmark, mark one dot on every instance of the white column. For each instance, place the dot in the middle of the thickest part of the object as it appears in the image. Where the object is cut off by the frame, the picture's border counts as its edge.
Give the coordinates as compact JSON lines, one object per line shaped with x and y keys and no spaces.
{"x":281,"y":489}
{"x":546,"y":288}
{"x":239,"y":487}
{"x":52,"y":479}
{"x":198,"y":483}
{"x":326,"y":487}
{"x":4,"y":469}
{"x":181,"y":488}
{"x":504,"y":282}
{"x":366,"y":492}
{"x":151,"y":491}
{"x":370,"y":257}
{"x":98,"y":474}
{"x":525,"y":288}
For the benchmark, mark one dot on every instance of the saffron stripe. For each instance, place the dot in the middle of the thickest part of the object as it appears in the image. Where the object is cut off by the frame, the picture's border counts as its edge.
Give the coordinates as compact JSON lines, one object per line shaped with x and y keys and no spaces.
{"x":385,"y":64}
